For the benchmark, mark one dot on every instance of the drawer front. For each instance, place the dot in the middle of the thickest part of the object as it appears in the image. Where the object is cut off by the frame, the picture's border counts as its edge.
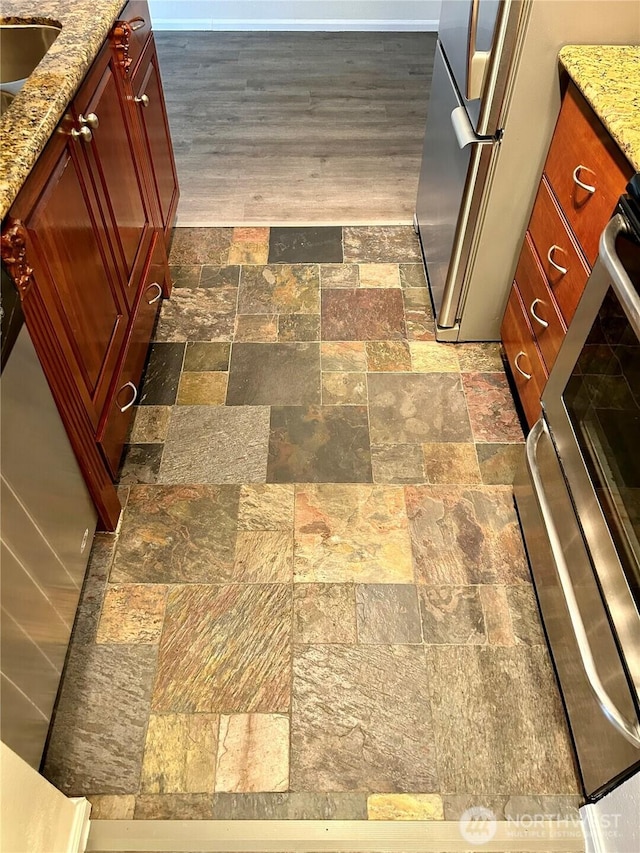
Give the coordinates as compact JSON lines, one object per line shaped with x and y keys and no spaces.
{"x":541,"y":308}
{"x":133,"y":36}
{"x":125,"y":390}
{"x":582,"y":151}
{"x":523,"y":356}
{"x":562,"y":262}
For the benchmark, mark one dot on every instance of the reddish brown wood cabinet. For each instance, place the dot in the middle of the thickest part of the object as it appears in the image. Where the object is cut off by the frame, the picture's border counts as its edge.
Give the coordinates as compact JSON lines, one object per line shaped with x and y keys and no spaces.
{"x":86,"y":242}
{"x":583,"y":176}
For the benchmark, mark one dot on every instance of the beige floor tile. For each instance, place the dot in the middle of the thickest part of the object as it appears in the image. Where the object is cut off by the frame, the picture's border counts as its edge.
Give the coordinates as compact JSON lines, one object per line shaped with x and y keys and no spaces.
{"x":497,"y":615}
{"x":451,"y":462}
{"x":343,"y":356}
{"x":324,"y":613}
{"x":180,"y":754}
{"x":150,"y":424}
{"x":132,"y":613}
{"x":266,"y":507}
{"x":433,"y":357}
{"x":264,"y":556}
{"x":253,"y":753}
{"x":379,"y":275}
{"x":249,"y":253}
{"x":112,"y":806}
{"x":344,"y":389}
{"x":405,"y":807}
{"x":202,"y":389}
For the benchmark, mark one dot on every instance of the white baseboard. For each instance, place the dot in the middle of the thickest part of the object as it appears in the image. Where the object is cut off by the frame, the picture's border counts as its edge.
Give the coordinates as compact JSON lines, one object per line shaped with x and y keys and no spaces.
{"x":295,"y":25}
{"x":79,"y":833}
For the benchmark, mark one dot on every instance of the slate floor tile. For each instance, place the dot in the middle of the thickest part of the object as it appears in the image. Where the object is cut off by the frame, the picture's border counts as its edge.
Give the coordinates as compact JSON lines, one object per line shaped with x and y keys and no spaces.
{"x":150,"y":424}
{"x":324,"y":613}
{"x":487,"y":745}
{"x":480,"y":358}
{"x":264,"y":556}
{"x":245,"y":252}
{"x":339,"y":275}
{"x":140,"y":463}
{"x":398,"y":463}
{"x":396,"y":244}
{"x":525,"y":617}
{"x":388,"y":356}
{"x":93,"y":589}
{"x":388,"y":614}
{"x":200,"y":314}
{"x":379,"y":275}
{"x":279,"y":289}
{"x":256,"y":328}
{"x":185,"y":276}
{"x":343,"y":356}
{"x":274,"y":374}
{"x":162,"y":374}
{"x":412,"y":408}
{"x":177,"y":534}
{"x":349,"y":533}
{"x":299,"y":327}
{"x":305,"y":245}
{"x":253,"y":753}
{"x":217,"y":276}
{"x":173,"y":807}
{"x":465,"y":535}
{"x":200,"y":246}
{"x":412,"y":275}
{"x":499,"y":462}
{"x":451,"y":462}
{"x":112,"y":806}
{"x":202,"y":389}
{"x":361,"y":720}
{"x":491,"y":408}
{"x":433,"y":357}
{"x":225,"y":649}
{"x":405,"y":807}
{"x":132,"y":613}
{"x":290,"y":806}
{"x":266,"y":507}
{"x":232,"y":445}
{"x":319,"y":444}
{"x":207,"y":356}
{"x":362,"y":315}
{"x":346,"y":389}
{"x":452,"y":615}
{"x":180,"y":754}
{"x":97,"y":738}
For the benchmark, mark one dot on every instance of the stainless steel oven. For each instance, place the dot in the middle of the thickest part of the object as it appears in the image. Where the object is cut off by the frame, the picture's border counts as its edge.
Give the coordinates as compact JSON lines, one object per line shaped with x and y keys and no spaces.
{"x":578,"y":499}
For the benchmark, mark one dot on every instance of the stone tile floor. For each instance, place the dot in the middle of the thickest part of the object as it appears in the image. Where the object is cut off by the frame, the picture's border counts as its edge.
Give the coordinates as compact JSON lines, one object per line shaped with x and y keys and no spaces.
{"x":317,"y":604}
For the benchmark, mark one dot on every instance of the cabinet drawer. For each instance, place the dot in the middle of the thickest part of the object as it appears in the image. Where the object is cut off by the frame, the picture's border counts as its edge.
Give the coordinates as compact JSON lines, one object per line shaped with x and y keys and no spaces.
{"x":125,"y":390}
{"x":555,"y":245}
{"x":582,"y":150}
{"x":132,"y":29}
{"x":523,"y":356}
{"x":540,"y":307}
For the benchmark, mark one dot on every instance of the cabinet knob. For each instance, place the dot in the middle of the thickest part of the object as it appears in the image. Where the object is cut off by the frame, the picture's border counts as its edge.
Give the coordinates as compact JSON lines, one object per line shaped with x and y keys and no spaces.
{"x":518,"y":368}
{"x":83,"y":134}
{"x":589,"y":188}
{"x":143,"y":99}
{"x":133,"y":399}
{"x":158,"y":294}
{"x":561,"y":270}
{"x":532,"y":311}
{"x":91,"y":120}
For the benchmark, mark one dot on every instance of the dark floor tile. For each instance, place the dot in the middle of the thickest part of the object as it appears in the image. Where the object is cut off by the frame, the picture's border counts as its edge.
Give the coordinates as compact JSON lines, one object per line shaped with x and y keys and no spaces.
{"x":95,"y":580}
{"x":274,"y":374}
{"x":299,"y":327}
{"x":279,"y":289}
{"x":452,"y":615}
{"x":384,"y":244}
{"x":97,"y":737}
{"x":232,"y":445}
{"x":372,"y":314}
{"x":412,"y":275}
{"x":491,"y":408}
{"x":185,"y":276}
{"x":319,"y":245}
{"x":462,"y":535}
{"x":519,"y":807}
{"x":498,"y":720}
{"x":197,"y":314}
{"x":173,"y":807}
{"x":140,"y":463}
{"x":215,"y":276}
{"x":292,"y":806}
{"x":319,"y":444}
{"x":207,"y":356}
{"x":416,"y":408}
{"x":225,"y":649}
{"x":200,"y":246}
{"x":162,"y":375}
{"x":388,"y":613}
{"x":361,"y":720}
{"x":177,"y":534}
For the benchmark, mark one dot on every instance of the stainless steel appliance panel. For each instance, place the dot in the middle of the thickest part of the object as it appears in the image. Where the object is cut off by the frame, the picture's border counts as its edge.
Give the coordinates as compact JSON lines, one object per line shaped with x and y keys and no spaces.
{"x":603,"y":752}
{"x":24,"y":727}
{"x":442,"y":179}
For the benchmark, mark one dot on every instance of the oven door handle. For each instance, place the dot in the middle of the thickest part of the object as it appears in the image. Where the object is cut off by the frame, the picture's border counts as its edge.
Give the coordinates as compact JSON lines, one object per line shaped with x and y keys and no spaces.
{"x":622,"y":284}
{"x":628,"y":729}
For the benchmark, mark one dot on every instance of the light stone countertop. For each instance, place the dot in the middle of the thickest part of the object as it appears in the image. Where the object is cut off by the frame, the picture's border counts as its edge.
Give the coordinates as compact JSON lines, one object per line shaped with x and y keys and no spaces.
{"x":27,"y":125}
{"x":609,"y":78}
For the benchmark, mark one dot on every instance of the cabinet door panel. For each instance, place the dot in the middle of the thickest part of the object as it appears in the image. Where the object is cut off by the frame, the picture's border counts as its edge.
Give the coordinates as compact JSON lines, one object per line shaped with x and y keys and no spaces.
{"x":78,"y":287}
{"x":149,"y":96}
{"x":111,"y":155}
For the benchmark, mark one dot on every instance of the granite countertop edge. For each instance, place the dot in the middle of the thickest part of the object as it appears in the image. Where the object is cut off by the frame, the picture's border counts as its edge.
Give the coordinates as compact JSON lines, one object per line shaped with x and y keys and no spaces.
{"x":609,"y":78}
{"x":30,"y":122}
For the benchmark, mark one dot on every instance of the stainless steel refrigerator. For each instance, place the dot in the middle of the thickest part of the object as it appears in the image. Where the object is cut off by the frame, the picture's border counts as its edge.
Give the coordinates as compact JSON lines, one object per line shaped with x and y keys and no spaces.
{"x":495,"y":96}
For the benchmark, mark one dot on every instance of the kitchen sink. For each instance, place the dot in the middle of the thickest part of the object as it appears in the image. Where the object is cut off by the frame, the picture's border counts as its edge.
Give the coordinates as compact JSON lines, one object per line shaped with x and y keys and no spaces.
{"x":22,"y":46}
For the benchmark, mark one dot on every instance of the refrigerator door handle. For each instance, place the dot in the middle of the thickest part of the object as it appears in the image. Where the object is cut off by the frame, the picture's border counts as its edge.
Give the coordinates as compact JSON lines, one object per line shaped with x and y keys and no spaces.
{"x":477,"y":60}
{"x":465,"y":134}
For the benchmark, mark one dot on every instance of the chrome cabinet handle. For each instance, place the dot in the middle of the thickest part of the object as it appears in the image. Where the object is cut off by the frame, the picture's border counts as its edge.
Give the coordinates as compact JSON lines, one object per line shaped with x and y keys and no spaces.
{"x":143,"y":99}
{"x":518,"y":368}
{"x":532,"y":311}
{"x":628,"y":729}
{"x":562,"y":270}
{"x":91,"y":120}
{"x":155,"y":298}
{"x":84,"y":134}
{"x":136,"y":24}
{"x":133,"y":399}
{"x":586,"y":187}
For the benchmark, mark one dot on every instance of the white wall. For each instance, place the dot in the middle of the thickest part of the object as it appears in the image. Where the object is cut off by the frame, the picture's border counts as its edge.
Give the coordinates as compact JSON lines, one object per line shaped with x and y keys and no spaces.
{"x":335,"y":15}
{"x":612,"y":825}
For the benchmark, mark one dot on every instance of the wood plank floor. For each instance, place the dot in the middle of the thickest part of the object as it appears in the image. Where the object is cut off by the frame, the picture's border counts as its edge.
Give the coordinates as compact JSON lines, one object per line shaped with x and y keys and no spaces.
{"x":297,"y":128}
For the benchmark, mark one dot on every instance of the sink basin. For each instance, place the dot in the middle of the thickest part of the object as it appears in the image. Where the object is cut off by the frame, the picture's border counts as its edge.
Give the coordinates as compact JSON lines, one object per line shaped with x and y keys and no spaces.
{"x":22,"y":46}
